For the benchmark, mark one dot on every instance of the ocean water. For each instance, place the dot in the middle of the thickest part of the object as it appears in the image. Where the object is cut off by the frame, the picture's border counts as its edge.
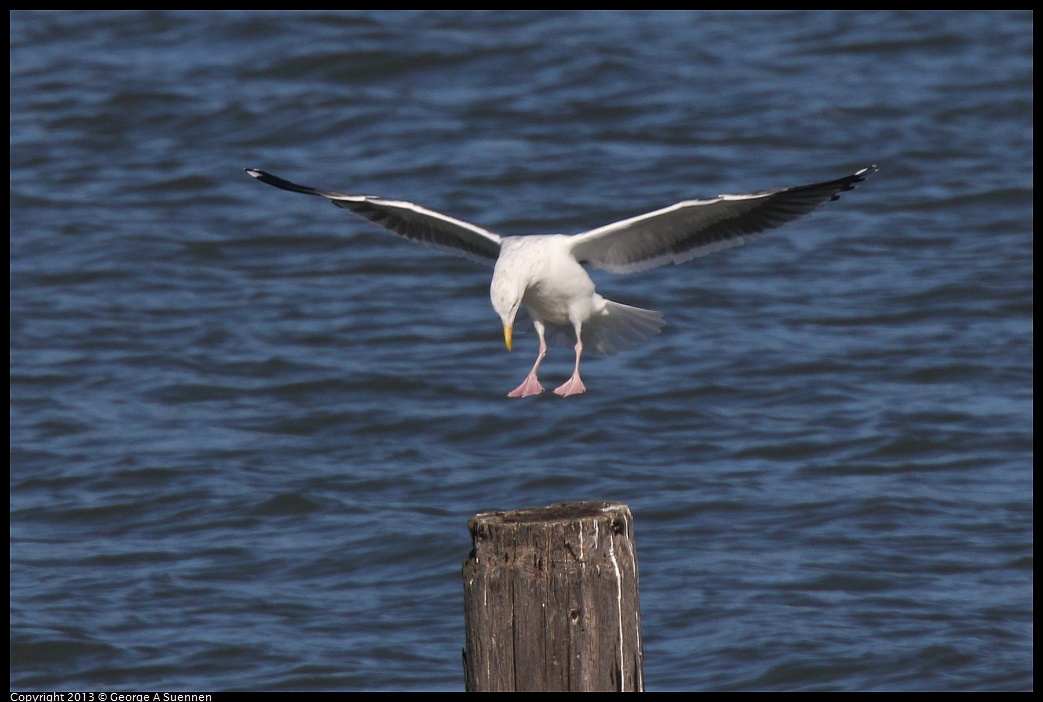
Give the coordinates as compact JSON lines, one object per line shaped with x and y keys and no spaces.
{"x":248,"y":429}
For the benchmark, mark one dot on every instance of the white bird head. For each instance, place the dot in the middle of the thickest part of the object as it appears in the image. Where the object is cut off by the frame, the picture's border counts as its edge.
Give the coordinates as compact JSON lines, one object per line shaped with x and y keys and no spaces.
{"x":506,"y":292}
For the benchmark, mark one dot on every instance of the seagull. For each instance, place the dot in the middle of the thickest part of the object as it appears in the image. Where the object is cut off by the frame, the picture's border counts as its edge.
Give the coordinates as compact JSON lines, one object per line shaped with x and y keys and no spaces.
{"x":546,"y":275}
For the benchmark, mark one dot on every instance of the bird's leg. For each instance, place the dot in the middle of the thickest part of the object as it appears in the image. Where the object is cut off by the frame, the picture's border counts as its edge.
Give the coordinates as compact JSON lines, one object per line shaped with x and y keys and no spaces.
{"x":573,"y":386}
{"x":531,"y":384}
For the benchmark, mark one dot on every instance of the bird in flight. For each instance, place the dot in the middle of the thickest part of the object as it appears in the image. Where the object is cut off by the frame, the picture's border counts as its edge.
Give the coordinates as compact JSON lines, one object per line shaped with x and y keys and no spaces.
{"x":546,"y":274}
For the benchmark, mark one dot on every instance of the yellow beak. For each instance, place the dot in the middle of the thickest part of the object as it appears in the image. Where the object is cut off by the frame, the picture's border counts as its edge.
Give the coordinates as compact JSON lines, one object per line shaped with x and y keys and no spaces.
{"x":507,"y":331}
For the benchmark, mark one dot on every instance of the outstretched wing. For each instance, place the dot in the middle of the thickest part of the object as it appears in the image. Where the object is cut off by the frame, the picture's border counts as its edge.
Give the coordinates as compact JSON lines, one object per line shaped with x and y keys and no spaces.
{"x":694,"y":228}
{"x":405,"y":219}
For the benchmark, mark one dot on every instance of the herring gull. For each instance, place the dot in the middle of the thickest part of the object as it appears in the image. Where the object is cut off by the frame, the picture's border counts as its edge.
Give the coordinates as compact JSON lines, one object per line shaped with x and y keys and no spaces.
{"x":545,"y":274}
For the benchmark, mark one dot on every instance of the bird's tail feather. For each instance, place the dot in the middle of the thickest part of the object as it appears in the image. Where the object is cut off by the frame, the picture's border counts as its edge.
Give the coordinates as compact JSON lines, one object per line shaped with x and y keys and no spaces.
{"x":617,"y":328}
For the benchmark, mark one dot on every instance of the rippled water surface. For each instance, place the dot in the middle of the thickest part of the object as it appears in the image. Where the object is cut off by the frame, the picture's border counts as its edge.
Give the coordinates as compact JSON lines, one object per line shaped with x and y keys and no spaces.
{"x":248,"y":429}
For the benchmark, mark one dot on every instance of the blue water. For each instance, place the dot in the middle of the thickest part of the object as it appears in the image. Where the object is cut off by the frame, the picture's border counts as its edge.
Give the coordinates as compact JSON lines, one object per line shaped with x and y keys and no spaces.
{"x":248,"y":429}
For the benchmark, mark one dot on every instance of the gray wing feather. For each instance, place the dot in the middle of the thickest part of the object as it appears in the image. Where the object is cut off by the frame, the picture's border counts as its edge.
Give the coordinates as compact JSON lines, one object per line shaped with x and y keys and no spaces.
{"x":694,"y":228}
{"x":405,"y":219}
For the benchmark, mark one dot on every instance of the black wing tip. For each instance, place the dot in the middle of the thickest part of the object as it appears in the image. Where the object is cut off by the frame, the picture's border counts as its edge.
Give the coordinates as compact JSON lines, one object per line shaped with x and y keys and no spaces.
{"x":852,"y":181}
{"x":278,"y":182}
{"x":861,"y":175}
{"x":265,"y":177}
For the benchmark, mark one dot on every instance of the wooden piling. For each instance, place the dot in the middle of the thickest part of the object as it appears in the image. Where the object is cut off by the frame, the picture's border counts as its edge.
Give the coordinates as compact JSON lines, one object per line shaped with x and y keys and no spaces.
{"x":551,"y":600}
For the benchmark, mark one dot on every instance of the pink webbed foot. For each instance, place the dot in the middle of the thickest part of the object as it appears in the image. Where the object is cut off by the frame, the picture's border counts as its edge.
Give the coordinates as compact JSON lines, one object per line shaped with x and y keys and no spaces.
{"x":531,"y":386}
{"x":572,"y":386}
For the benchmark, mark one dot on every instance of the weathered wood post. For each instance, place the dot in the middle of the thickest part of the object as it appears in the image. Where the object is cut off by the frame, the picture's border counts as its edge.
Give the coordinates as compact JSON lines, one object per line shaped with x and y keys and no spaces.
{"x":551,"y":600}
